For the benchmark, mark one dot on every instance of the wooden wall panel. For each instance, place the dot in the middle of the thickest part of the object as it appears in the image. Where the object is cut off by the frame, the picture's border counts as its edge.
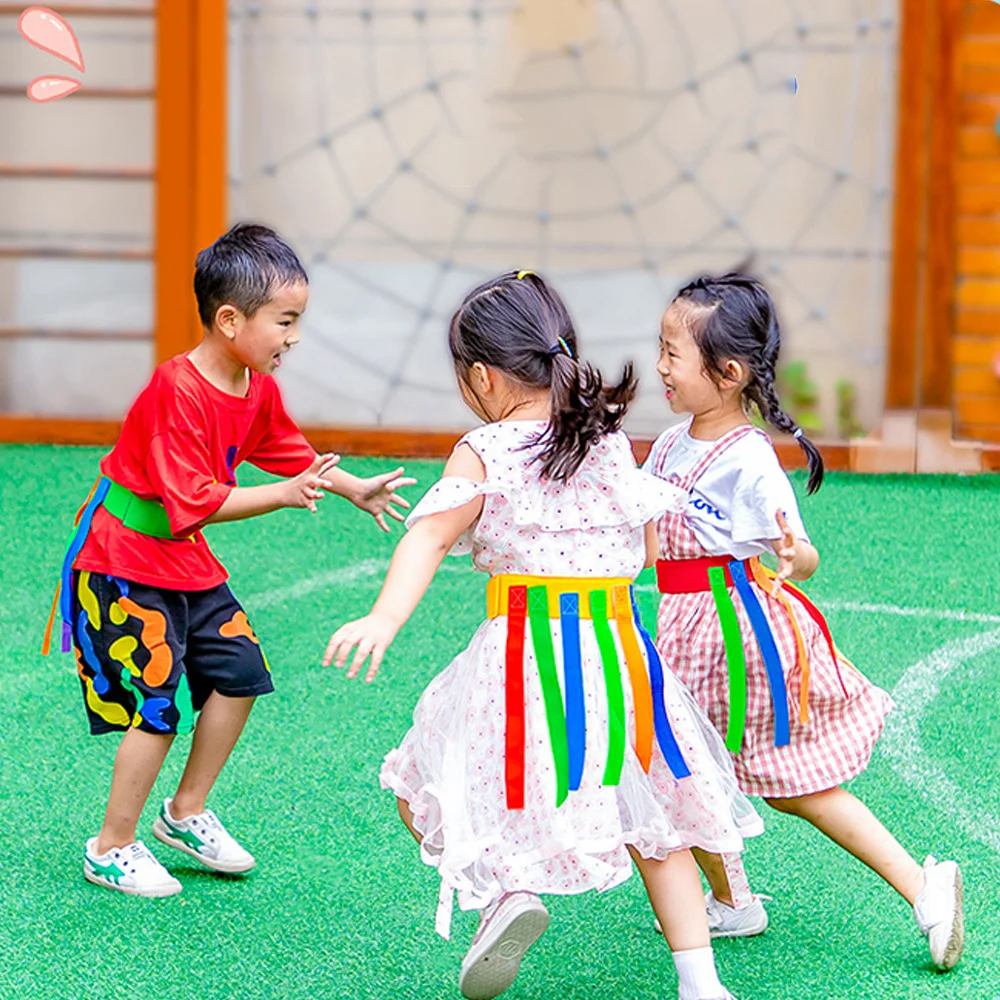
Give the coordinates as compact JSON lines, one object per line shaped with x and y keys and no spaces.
{"x":975,"y":385}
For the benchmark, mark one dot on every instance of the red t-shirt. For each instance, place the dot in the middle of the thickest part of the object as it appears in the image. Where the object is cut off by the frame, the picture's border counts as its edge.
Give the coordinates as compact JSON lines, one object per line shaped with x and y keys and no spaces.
{"x":180,"y":444}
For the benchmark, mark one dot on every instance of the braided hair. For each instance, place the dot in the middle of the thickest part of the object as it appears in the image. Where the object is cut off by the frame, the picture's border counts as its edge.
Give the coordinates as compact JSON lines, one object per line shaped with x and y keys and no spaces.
{"x":737,"y":320}
{"x":517,"y":324}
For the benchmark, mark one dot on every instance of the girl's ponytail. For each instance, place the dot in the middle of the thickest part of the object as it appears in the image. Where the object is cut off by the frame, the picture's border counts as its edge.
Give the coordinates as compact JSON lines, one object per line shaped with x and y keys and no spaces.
{"x":584,"y":410}
{"x":517,"y":324}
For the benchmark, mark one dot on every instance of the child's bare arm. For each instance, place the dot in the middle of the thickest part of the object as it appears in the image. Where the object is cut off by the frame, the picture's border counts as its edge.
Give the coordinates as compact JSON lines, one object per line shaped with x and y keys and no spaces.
{"x":302,"y":491}
{"x":413,"y":566}
{"x":652,"y":544}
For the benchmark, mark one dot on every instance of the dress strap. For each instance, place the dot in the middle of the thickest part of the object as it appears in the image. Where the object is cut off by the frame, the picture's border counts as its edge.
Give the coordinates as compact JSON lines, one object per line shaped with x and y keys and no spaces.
{"x":673,"y":435}
{"x":722,"y":445}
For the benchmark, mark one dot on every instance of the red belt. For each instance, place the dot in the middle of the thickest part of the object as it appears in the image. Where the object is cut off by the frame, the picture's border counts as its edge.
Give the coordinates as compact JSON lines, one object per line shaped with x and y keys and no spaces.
{"x":690,"y":576}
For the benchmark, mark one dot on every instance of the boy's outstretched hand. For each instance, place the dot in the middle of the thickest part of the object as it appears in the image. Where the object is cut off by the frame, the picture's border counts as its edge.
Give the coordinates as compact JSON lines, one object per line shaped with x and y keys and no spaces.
{"x":305,"y":489}
{"x":372,"y":635}
{"x":377,"y":495}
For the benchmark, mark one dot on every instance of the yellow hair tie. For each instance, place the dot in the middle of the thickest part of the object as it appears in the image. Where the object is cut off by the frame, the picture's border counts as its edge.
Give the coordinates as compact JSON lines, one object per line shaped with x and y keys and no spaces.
{"x":524,"y":274}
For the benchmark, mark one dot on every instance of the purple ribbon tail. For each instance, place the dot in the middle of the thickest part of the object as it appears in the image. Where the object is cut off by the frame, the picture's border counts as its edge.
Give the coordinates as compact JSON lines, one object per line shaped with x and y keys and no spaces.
{"x":67,"y":637}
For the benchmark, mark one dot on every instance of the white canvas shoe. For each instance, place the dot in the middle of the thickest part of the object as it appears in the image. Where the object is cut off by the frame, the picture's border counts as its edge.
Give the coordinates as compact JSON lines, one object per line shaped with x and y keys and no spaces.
{"x":938,"y":910}
{"x":506,"y":931}
{"x":726,"y":922}
{"x":131,"y":869}
{"x":203,"y":837}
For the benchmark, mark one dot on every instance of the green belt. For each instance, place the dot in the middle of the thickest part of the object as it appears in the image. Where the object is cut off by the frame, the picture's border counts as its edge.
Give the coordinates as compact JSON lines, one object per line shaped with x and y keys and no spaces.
{"x":145,"y":516}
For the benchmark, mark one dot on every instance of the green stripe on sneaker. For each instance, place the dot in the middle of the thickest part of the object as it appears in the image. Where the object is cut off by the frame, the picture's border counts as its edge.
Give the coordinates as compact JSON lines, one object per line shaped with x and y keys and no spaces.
{"x":111,"y":872}
{"x":184,"y":836}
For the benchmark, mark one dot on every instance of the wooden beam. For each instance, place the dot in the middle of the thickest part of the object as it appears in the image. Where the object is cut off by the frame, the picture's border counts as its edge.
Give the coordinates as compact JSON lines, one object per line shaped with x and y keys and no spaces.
{"x":70,"y":333}
{"x":939,"y":286}
{"x":64,"y":172}
{"x":15,"y":429}
{"x":191,"y":159}
{"x":101,"y":93}
{"x":913,"y":102}
{"x":211,"y":122}
{"x":68,"y":10}
{"x":359,"y":441}
{"x":175,"y":158}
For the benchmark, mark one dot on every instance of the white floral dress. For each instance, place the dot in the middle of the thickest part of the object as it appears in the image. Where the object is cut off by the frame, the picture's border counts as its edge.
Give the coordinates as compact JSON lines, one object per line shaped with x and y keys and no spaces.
{"x":450,"y":766}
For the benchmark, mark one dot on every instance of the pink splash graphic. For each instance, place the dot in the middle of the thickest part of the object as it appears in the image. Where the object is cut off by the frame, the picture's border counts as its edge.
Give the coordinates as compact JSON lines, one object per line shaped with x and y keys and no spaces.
{"x":48,"y":31}
{"x":51,"y":88}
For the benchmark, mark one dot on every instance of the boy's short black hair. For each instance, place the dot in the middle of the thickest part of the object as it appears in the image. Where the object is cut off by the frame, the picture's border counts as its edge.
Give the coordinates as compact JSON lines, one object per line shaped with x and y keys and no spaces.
{"x":242,"y":268}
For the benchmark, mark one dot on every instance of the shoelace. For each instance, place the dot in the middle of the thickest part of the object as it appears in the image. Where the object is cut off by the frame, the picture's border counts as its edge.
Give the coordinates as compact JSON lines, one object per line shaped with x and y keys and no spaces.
{"x":137,"y":852}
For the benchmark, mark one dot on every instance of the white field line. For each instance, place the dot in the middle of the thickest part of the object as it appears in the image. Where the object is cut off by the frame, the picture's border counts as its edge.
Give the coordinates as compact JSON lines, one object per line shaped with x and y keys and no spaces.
{"x":914,"y":694}
{"x":859,"y":607}
{"x":321,"y":581}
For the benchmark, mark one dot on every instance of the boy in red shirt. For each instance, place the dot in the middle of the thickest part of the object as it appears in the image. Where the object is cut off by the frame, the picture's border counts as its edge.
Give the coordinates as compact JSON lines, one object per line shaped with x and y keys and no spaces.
{"x":158,"y":634}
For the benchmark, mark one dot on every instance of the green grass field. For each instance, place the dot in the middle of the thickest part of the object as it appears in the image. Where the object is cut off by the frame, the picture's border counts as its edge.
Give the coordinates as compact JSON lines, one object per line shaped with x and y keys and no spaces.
{"x":340,"y":905}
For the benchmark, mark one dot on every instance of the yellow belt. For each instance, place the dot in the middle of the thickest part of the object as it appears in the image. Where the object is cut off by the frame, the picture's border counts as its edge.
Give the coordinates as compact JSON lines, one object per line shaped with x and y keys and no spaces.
{"x":498,"y":591}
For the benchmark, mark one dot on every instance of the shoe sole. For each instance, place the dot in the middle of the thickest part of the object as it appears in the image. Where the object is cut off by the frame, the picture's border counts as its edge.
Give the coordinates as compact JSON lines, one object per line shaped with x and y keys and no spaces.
{"x":493,"y":963}
{"x":226,"y":867}
{"x":753,"y":931}
{"x":159,"y":893}
{"x":956,"y":941}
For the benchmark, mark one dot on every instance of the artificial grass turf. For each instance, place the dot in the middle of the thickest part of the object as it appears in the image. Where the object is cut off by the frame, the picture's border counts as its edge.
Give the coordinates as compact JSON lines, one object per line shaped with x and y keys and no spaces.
{"x":340,"y":905}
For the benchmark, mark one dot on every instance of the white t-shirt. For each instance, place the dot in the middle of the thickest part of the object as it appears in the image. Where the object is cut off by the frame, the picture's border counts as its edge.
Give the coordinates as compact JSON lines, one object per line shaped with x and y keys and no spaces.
{"x":732,"y":507}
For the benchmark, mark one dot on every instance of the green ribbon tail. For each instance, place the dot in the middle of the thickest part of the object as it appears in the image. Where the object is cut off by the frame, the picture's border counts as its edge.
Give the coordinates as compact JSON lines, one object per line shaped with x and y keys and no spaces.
{"x":548,"y":674}
{"x":733,"y":641}
{"x":613,"y":684}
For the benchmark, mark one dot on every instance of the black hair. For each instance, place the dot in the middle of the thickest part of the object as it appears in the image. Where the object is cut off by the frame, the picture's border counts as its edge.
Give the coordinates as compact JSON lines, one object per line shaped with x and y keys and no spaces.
{"x":243,"y":268}
{"x":739,"y":322}
{"x":517,"y":324}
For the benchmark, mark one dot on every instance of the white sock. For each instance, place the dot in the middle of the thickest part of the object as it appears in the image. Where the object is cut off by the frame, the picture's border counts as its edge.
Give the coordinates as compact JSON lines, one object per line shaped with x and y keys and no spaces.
{"x":697,"y":975}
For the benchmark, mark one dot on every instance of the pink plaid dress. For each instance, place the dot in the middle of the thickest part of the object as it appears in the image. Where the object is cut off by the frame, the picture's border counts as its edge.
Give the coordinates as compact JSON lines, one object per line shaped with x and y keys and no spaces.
{"x":846,"y":711}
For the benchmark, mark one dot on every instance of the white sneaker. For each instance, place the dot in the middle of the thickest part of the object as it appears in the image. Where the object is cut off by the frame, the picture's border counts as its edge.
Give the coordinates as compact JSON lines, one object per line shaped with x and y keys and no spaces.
{"x":726,"y":922}
{"x":506,"y":931}
{"x":131,"y":869}
{"x":203,"y":837}
{"x":938,"y":910}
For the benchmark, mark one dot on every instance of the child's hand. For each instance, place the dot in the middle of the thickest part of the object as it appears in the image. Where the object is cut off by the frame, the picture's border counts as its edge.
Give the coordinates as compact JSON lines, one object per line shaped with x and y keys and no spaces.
{"x":305,"y":489}
{"x":376,"y":496}
{"x":372,"y":635}
{"x":787,"y":549}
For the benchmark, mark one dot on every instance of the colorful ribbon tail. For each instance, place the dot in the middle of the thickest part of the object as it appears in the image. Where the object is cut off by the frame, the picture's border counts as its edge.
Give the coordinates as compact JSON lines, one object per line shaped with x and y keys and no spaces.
{"x":613,"y":686}
{"x":642,"y":694}
{"x":576,"y":711}
{"x":769,"y":651}
{"x":669,"y":746}
{"x":47,"y":637}
{"x":764,"y":577}
{"x":514,"y":698}
{"x":541,"y":636}
{"x":733,"y":642}
{"x":77,"y":539}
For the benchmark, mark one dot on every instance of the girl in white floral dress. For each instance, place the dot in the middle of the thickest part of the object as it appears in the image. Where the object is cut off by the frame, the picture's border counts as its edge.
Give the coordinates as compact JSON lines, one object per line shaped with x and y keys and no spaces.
{"x":555,"y":749}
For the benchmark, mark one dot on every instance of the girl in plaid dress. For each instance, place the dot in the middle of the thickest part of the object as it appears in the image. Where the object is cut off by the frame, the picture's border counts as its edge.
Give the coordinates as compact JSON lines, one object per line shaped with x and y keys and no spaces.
{"x":755,"y":653}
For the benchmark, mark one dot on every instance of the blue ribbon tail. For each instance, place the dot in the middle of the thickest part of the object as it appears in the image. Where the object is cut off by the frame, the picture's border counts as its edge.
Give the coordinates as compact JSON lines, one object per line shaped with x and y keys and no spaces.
{"x":669,"y":746}
{"x":576,"y":713}
{"x":75,"y":545}
{"x":768,"y":650}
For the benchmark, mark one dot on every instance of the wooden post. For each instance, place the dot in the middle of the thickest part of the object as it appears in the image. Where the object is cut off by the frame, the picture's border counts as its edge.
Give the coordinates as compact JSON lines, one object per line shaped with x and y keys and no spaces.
{"x":191,"y":159}
{"x":916,"y":432}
